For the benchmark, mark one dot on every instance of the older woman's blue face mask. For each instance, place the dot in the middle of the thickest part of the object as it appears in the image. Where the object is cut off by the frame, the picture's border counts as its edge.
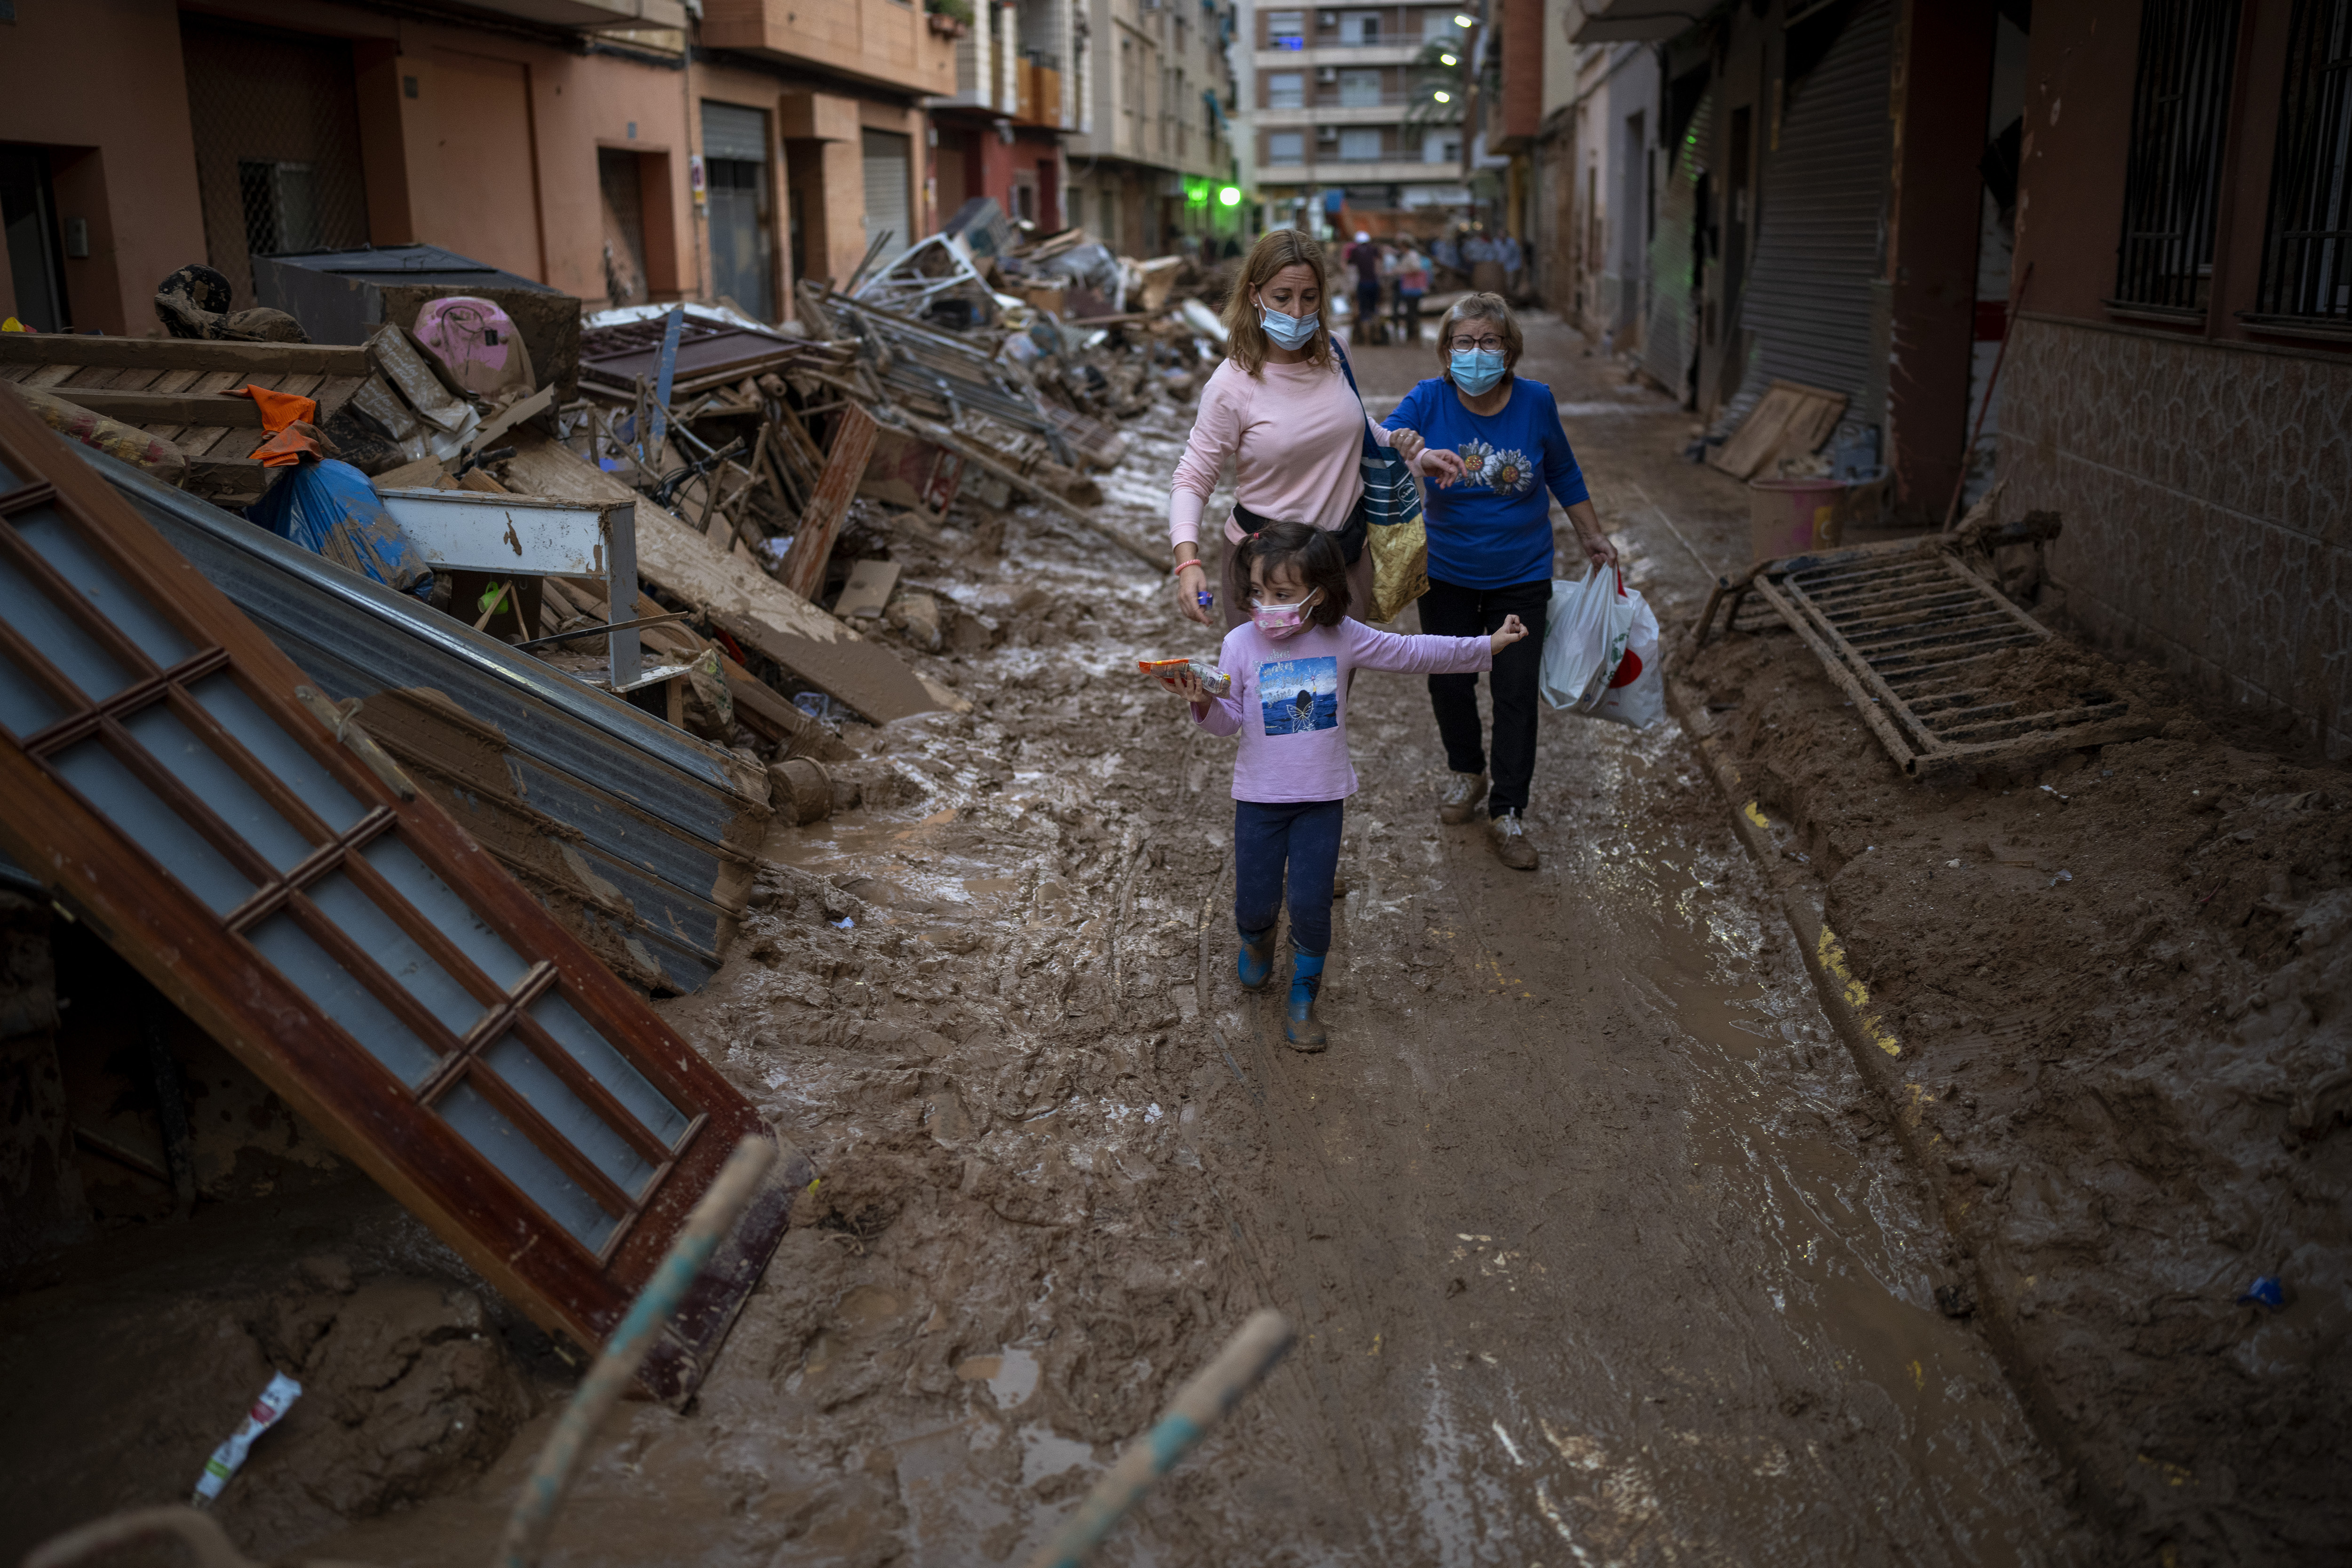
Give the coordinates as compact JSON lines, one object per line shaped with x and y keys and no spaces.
{"x":1475,"y":357}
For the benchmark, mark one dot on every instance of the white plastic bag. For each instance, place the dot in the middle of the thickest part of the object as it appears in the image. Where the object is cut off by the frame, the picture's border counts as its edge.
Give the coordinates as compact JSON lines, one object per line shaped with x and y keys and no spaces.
{"x":1589,"y":621}
{"x":1635,"y":694}
{"x":1600,"y":651}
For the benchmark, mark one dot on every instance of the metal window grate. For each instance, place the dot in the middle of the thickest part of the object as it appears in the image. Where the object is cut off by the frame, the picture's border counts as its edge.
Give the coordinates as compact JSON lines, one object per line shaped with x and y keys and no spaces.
{"x":2180,"y":101}
{"x":2307,"y":241}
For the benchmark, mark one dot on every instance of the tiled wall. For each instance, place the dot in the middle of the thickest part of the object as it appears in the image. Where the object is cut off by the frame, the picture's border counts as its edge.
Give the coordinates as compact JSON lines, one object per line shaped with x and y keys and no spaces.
{"x":2207,"y":493}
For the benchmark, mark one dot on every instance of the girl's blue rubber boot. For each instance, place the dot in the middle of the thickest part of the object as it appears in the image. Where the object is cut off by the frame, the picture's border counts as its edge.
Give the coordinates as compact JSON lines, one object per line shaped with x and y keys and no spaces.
{"x":1301,"y":1027}
{"x":1256,"y":960}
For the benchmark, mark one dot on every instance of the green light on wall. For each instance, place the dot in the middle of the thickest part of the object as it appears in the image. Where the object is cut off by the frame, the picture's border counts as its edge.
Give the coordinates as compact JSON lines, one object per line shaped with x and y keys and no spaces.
{"x":1196,"y":193}
{"x":1230,"y":196}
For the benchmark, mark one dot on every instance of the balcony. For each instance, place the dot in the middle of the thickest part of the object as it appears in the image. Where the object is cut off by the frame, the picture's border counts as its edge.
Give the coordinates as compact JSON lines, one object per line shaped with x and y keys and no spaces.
{"x":593,"y":15}
{"x":1332,"y":171}
{"x":1395,"y":52}
{"x":1038,"y":97}
{"x":879,"y":40}
{"x":1390,"y":110}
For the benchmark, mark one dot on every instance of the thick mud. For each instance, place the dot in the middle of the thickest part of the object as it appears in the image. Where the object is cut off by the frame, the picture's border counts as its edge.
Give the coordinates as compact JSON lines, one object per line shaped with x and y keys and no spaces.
{"x":1601,"y":1249}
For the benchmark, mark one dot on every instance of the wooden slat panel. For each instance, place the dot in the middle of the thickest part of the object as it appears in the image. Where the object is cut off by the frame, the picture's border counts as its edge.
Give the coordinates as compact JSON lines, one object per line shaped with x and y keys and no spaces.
{"x":821,"y":520}
{"x":184,"y":409}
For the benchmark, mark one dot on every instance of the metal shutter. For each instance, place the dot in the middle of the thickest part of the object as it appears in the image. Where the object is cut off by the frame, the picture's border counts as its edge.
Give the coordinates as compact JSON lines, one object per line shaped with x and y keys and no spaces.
{"x":729,"y":131}
{"x":1820,"y":240}
{"x":1673,"y":326}
{"x":886,"y":202}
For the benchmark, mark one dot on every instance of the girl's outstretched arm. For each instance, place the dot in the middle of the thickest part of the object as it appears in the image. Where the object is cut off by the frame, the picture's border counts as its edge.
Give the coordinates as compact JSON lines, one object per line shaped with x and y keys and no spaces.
{"x":1421,"y":655}
{"x":1217,"y":715}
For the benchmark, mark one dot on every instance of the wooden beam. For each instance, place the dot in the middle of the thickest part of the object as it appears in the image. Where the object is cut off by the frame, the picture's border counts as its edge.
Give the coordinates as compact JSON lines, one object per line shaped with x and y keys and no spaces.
{"x":182,"y":353}
{"x":155,"y":408}
{"x":821,"y":520}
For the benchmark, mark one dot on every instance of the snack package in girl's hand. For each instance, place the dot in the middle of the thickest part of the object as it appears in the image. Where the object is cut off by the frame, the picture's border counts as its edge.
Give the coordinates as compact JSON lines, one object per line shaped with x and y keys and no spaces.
{"x":1213,"y":682}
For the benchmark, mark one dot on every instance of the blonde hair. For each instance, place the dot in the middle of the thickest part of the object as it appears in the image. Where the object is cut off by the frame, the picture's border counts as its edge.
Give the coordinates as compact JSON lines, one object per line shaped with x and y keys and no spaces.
{"x":1245,"y":341}
{"x":1480,"y":308}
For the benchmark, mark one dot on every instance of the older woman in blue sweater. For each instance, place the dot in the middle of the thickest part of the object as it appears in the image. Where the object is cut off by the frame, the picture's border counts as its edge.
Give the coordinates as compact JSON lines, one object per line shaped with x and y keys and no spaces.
{"x":1490,"y":552}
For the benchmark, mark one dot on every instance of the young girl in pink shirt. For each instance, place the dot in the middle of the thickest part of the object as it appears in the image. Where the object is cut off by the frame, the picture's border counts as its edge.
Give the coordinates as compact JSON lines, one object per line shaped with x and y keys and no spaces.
{"x":1289,"y":664}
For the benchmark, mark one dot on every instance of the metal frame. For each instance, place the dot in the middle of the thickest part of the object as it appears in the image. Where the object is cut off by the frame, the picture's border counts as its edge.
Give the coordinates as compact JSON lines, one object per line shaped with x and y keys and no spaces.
{"x":1903,"y":628}
{"x":100,"y":588}
{"x":470,"y":530}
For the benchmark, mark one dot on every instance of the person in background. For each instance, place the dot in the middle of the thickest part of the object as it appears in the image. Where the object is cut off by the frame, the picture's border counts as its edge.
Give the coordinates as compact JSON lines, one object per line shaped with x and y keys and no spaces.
{"x":1483,"y":261}
{"x":1365,"y":257}
{"x":1490,"y":551}
{"x":1508,"y":252}
{"x":1447,"y":251}
{"x":1411,"y":283}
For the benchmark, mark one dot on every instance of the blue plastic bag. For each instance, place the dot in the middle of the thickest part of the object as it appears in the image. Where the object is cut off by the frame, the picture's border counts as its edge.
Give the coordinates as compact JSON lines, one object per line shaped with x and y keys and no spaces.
{"x":330,"y":510}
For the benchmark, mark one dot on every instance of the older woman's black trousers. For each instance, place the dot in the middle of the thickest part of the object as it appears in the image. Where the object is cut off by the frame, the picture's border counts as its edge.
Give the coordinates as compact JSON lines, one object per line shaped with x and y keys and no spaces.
{"x":1448,"y":610}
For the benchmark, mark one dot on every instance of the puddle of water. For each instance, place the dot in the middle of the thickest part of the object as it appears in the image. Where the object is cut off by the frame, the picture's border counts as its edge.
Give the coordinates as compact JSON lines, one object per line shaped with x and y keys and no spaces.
{"x":1011,"y":1375}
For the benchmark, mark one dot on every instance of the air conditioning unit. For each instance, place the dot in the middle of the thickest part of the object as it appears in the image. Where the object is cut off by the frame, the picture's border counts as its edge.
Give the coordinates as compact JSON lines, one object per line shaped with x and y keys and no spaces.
{"x":1327,"y":18}
{"x":1326,"y":133}
{"x":1327,"y":73}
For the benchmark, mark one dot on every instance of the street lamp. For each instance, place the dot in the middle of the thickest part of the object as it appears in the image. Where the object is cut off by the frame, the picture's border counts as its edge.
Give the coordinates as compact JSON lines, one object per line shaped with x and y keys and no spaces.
{"x":1462,"y":21}
{"x":1231,"y":197}
{"x":1447,"y":61}
{"x":1443,"y":97}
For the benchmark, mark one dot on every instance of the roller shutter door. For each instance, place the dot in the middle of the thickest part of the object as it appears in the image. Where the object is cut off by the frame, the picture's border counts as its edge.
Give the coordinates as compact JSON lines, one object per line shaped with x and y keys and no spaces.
{"x":889,"y":204}
{"x":1671,"y":331}
{"x":1820,"y":245}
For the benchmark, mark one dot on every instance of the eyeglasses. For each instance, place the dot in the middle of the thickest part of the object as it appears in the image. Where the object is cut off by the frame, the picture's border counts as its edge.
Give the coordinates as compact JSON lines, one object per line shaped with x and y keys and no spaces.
{"x":1483,"y":345}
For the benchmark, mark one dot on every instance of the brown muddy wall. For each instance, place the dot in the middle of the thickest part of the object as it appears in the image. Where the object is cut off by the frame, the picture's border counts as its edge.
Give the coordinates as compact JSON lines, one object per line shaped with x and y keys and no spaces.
{"x":2207,"y":492}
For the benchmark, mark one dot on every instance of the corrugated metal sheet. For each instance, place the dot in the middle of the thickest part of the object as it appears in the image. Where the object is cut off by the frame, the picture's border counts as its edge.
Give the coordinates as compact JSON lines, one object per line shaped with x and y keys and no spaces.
{"x":1821,"y":238}
{"x":667,"y":828}
{"x":1672,"y":330}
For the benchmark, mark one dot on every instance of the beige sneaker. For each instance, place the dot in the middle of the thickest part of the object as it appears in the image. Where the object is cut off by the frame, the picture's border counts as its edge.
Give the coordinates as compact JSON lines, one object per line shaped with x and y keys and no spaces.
{"x":1462,"y":793}
{"x":1513,"y":847}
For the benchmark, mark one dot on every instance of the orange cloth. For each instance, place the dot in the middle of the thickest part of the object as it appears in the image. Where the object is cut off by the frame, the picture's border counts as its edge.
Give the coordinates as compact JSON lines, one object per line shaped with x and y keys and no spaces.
{"x":281,"y":411}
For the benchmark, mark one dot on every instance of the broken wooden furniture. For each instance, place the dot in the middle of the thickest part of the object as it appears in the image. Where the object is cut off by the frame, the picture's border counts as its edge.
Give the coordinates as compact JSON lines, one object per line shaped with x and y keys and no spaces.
{"x":293,"y":892}
{"x":712,"y":352}
{"x":1904,"y":628}
{"x":639,"y":839}
{"x":178,"y":389}
{"x":509,"y":535}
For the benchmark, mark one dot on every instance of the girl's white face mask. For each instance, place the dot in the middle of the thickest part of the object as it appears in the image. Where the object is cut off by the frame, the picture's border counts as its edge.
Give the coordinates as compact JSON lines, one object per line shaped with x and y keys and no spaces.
{"x":1279,"y":621}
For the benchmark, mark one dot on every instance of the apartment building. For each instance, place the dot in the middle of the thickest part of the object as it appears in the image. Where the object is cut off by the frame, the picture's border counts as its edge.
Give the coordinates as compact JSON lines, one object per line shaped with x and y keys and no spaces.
{"x":621,"y":150}
{"x":1154,"y":146}
{"x":1342,"y":108}
{"x":1019,"y":80}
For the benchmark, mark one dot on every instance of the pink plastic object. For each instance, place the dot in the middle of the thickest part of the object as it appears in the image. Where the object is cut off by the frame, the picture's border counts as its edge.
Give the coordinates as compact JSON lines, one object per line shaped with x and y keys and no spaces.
{"x":1789,"y":517}
{"x":476,"y":342}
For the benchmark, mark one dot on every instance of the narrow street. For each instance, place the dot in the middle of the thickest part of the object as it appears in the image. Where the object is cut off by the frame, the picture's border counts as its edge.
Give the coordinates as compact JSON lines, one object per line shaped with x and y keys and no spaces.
{"x":1598,"y":1247}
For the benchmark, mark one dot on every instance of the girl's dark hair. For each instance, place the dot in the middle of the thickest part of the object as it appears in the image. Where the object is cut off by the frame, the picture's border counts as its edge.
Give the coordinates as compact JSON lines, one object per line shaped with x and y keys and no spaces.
{"x":1311,"y":553}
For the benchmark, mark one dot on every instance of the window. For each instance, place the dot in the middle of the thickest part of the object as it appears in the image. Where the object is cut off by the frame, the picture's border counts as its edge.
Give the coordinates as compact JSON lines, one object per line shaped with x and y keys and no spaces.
{"x":1360,"y":30}
{"x":1285,"y":29}
{"x":252,"y":852}
{"x":1286,"y":147}
{"x":2180,"y":98}
{"x":1285,"y":90}
{"x":2307,"y":242}
{"x":1437,"y":28}
{"x":1360,"y":90}
{"x":1441,"y":147}
{"x":1361,"y":146}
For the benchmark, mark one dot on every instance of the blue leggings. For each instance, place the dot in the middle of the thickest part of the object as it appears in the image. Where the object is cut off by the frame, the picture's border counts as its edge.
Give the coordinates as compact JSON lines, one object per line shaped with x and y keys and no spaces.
{"x":1305,"y":835}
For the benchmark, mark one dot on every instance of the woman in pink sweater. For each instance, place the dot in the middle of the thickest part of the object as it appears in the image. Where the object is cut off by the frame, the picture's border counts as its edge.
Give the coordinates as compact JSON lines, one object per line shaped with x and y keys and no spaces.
{"x":1282,"y":411}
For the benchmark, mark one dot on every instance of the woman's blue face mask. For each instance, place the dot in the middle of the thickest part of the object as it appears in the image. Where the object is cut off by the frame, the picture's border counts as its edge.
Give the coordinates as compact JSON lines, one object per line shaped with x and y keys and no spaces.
{"x":1287,"y":330}
{"x":1475,"y":371}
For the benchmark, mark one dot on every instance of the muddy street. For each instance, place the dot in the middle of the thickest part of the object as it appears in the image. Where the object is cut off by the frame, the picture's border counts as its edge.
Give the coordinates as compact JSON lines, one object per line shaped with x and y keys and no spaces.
{"x":1598,"y":1245}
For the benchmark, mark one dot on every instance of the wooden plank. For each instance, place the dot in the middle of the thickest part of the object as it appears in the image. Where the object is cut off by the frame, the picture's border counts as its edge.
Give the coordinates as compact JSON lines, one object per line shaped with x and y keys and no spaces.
{"x":821,"y":520}
{"x":182,"y":353}
{"x":1759,"y":435}
{"x":868,"y":590}
{"x":149,"y":407}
